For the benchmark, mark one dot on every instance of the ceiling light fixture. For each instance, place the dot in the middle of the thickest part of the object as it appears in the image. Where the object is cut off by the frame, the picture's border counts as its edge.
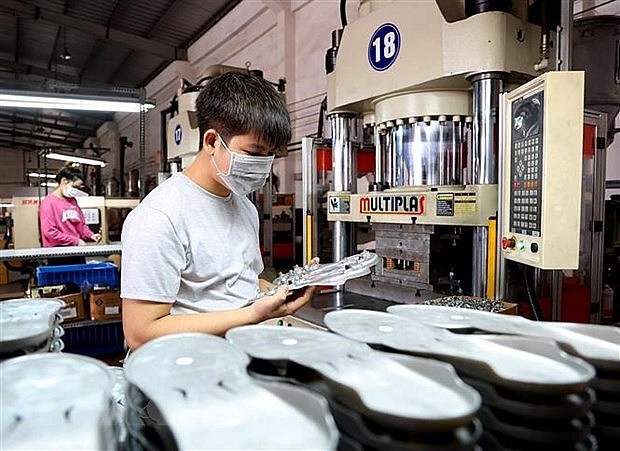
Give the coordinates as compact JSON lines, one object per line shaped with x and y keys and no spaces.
{"x":65,"y":55}
{"x":41,"y":175}
{"x":93,"y":161}
{"x":19,"y":99}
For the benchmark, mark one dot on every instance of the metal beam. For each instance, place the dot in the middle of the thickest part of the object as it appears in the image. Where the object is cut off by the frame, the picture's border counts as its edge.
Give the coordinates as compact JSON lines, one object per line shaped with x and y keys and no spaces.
{"x":277,"y":6}
{"x":44,"y":139}
{"x":54,"y":53}
{"x":13,"y":143}
{"x":16,"y":48}
{"x":27,"y":69}
{"x":38,"y":123}
{"x":84,"y":116}
{"x":38,"y":116}
{"x":164,"y":51}
{"x":171,"y":9}
{"x":215,"y":18}
{"x":175,"y":4}
{"x":95,"y":49}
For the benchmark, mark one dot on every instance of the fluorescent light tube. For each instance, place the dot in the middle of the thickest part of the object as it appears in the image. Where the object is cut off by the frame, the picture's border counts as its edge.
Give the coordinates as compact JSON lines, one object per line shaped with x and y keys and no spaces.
{"x":41,"y":175}
{"x":66,"y":102}
{"x":53,"y":155}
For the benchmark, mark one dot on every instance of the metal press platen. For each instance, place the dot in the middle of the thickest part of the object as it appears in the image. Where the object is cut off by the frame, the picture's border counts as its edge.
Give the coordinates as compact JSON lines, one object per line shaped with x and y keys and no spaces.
{"x":199,"y":379}
{"x":600,"y":353}
{"x":366,"y":380}
{"x":55,"y":401}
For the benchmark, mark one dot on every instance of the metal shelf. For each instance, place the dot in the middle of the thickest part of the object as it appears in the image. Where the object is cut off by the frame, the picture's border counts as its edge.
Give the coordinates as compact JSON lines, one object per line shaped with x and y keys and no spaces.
{"x":40,"y":253}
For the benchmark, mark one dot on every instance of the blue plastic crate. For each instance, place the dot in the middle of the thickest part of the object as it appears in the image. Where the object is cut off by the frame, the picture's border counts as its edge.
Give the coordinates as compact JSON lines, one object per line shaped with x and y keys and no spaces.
{"x":94,"y":339}
{"x":102,"y":274}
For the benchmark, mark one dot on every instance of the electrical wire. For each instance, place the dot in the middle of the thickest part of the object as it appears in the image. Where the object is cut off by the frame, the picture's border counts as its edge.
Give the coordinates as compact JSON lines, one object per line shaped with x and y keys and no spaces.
{"x":531,"y":295}
{"x":343,"y":13}
{"x":322,"y":109}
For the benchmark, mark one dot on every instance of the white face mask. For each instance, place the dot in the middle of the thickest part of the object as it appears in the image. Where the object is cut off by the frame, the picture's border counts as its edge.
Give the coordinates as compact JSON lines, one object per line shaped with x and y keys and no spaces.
{"x":70,"y":191}
{"x":246,"y":173}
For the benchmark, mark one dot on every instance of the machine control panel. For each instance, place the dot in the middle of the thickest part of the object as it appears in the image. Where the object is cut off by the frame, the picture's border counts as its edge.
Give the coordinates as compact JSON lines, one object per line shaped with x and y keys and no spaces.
{"x":541,"y":204}
{"x":527,"y":161}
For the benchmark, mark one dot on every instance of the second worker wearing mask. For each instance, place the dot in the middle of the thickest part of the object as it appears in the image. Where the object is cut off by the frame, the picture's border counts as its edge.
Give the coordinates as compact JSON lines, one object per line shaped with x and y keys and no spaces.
{"x":61,"y":219}
{"x":191,"y":255}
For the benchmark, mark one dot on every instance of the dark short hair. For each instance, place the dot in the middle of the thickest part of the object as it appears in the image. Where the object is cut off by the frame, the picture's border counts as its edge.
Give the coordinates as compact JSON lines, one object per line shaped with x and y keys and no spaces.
{"x":241,"y":103}
{"x":70,"y":174}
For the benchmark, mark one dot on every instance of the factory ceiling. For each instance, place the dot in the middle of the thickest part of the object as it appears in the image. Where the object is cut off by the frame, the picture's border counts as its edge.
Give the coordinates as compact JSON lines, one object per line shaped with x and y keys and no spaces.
{"x":60,"y":44}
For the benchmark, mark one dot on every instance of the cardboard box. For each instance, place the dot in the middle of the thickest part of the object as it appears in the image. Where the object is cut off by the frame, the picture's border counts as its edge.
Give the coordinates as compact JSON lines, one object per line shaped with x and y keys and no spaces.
{"x":508,"y":308}
{"x":74,"y":307}
{"x":105,"y":305}
{"x":4,"y":273}
{"x":48,"y":291}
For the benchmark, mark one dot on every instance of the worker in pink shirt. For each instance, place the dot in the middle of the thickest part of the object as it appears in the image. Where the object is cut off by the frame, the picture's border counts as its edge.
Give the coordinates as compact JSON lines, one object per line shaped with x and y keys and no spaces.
{"x":62,"y":220}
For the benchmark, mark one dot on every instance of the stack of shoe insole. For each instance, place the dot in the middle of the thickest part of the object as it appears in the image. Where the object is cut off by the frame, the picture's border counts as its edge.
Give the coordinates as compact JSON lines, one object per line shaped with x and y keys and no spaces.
{"x":192,"y":391}
{"x":597,"y":345}
{"x":379,"y":401}
{"x":30,"y":326}
{"x":534,"y":395}
{"x":55,"y":401}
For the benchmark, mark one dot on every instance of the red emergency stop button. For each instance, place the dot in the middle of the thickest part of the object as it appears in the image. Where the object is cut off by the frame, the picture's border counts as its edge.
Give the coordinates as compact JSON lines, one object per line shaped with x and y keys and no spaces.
{"x":508,"y":243}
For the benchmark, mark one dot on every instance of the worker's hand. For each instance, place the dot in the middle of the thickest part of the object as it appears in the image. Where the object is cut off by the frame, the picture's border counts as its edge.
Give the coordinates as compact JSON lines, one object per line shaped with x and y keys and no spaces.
{"x":81,"y":242}
{"x":265,"y":285}
{"x":96,"y":237}
{"x":283,"y":302}
{"x":298,"y":298}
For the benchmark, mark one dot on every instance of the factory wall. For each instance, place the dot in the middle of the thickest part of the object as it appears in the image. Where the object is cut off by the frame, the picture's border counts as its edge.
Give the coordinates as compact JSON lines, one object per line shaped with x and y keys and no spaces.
{"x":283,"y":39}
{"x":12,"y":169}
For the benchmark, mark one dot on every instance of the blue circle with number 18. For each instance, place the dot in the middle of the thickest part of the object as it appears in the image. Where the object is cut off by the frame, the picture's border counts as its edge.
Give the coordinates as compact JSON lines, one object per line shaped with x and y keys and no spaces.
{"x":384,"y":46}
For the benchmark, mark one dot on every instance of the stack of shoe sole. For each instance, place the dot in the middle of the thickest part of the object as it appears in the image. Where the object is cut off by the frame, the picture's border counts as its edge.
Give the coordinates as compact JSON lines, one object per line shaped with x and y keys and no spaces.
{"x":119,"y":387}
{"x":597,"y":345}
{"x":56,"y":401}
{"x":379,"y":401}
{"x":534,"y":395}
{"x":192,"y":391}
{"x":30,"y":326}
{"x":606,"y":383}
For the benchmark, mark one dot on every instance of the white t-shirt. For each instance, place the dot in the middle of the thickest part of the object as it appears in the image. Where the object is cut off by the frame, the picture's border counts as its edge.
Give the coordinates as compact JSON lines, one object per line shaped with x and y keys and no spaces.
{"x":186,"y":246}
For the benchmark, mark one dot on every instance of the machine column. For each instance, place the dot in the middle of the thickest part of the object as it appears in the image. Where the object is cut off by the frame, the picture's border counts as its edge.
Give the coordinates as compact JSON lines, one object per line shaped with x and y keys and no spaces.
{"x":482,"y":165}
{"x":344,"y":167}
{"x":378,"y":184}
